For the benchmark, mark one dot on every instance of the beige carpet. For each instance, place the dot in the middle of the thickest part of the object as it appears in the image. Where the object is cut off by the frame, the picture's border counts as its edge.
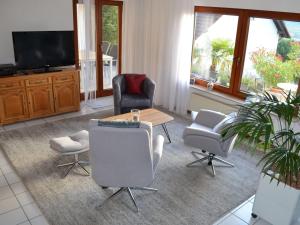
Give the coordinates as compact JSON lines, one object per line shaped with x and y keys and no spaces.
{"x":186,"y":195}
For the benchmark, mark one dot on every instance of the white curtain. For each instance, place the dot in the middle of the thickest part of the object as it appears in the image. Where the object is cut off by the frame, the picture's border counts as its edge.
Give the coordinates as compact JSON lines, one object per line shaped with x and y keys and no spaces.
{"x":157,"y":40}
{"x":87,"y":48}
{"x":132,"y":42}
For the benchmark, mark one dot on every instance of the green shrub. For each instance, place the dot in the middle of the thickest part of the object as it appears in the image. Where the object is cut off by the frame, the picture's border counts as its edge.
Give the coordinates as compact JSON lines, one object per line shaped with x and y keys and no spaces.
{"x":249,"y":83}
{"x":274,"y":69}
{"x":110,"y":24}
{"x":284,"y":47}
{"x":294,"y":53}
{"x":224,"y":78}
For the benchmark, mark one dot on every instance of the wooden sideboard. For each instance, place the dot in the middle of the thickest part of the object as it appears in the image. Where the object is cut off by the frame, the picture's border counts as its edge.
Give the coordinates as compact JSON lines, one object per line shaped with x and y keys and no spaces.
{"x":25,"y":97}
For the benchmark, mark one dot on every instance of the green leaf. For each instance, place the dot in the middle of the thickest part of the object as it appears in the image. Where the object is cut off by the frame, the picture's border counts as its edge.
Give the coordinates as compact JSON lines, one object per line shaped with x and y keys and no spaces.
{"x":255,"y":125}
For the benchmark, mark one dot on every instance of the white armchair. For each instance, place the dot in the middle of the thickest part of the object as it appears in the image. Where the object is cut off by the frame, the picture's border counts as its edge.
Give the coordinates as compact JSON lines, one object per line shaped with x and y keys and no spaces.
{"x":124,"y":157}
{"x":204,"y":133}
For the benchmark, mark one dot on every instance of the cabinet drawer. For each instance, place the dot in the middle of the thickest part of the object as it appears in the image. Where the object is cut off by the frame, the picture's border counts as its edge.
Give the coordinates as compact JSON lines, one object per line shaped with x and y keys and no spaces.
{"x":38,"y":81}
{"x":8,"y":84}
{"x":63,"y":78}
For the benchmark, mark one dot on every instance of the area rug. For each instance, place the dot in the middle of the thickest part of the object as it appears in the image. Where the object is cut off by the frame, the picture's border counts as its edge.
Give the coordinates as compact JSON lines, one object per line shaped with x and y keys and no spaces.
{"x":186,"y":195}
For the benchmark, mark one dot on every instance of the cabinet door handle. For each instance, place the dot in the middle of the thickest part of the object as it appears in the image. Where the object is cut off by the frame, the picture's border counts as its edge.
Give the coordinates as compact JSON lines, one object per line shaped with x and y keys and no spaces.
{"x":237,"y":59}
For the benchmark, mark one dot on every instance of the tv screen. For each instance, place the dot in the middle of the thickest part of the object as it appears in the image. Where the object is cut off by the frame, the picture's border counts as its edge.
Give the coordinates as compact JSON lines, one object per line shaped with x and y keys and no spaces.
{"x":40,"y":49}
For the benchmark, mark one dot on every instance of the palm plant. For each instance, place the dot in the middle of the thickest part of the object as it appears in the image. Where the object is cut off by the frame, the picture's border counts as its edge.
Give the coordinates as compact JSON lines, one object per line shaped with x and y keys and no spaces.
{"x":269,"y":124}
{"x":221,"y":54}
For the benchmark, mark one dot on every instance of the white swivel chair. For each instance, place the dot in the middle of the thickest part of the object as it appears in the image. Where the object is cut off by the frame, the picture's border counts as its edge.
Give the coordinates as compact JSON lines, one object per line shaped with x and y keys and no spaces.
{"x":204,"y":133}
{"x":124,"y":157}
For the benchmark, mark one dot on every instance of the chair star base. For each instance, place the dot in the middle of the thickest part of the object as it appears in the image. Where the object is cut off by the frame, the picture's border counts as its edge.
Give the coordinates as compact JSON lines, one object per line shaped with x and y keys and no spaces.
{"x":72,"y":165}
{"x":210,"y":157}
{"x":129,"y":191}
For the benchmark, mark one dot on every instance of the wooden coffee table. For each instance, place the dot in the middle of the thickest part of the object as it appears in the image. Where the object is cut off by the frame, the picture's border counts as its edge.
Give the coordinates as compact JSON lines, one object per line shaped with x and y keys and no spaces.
{"x":154,"y":116}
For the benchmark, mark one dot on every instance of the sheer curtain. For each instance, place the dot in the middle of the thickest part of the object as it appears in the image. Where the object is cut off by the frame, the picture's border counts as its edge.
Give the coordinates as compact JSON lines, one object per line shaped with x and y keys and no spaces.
{"x":87,"y":49}
{"x":157,"y":40}
{"x":133,"y":38}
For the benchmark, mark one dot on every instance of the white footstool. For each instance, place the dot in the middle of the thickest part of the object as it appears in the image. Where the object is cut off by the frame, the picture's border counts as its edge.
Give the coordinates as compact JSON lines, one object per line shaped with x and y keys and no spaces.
{"x":72,"y":145}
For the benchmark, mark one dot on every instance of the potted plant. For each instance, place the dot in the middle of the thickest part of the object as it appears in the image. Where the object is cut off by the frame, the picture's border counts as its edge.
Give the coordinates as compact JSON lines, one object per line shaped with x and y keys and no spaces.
{"x":221,"y":54}
{"x":269,"y":124}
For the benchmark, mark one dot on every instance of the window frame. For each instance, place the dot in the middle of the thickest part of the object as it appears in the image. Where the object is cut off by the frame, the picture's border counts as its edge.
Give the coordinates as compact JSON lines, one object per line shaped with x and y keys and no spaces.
{"x":98,"y":32}
{"x":241,"y":41}
{"x":101,"y":92}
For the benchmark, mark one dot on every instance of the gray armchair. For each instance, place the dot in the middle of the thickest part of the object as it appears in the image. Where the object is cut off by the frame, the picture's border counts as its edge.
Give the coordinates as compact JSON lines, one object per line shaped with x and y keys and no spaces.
{"x":124,"y":102}
{"x":204,"y":133}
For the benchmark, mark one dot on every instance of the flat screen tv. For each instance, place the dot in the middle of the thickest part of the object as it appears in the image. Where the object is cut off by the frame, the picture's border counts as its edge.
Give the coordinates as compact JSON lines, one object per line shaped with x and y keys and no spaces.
{"x":43,"y":49}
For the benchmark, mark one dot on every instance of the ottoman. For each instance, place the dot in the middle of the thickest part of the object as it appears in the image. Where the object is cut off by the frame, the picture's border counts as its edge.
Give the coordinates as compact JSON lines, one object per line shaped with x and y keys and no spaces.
{"x":72,"y":145}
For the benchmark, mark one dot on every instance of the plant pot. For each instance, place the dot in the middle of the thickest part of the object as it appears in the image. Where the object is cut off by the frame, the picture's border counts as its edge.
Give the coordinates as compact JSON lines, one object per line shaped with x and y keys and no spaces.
{"x":278,"y":204}
{"x":213,"y":74}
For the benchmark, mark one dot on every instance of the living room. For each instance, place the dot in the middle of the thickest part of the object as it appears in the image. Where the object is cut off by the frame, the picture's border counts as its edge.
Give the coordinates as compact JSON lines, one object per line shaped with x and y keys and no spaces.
{"x":149,"y":112}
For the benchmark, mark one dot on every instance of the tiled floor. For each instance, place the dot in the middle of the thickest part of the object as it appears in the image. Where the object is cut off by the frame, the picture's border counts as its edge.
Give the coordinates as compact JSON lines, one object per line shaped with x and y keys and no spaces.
{"x":16,"y":204}
{"x":17,"y":207}
{"x":241,"y":215}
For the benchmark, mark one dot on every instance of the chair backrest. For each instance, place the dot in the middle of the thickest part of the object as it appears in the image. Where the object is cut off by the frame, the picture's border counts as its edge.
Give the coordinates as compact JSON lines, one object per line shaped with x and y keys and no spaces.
{"x":105,"y":47}
{"x":228,"y":144}
{"x":119,"y":84}
{"x":119,"y":80}
{"x":113,"y":51}
{"x":120,"y":157}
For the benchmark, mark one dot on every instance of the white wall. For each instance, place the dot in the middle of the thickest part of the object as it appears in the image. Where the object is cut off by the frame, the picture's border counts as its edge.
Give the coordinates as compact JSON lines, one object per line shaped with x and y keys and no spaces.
{"x":31,"y":15}
{"x":270,"y":5}
{"x":207,"y":100}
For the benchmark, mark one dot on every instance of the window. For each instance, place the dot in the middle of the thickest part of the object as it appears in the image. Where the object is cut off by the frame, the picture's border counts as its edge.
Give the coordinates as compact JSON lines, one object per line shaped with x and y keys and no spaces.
{"x":272,"y":60}
{"x":214,"y":46}
{"x":246,"y":51}
{"x":80,"y":12}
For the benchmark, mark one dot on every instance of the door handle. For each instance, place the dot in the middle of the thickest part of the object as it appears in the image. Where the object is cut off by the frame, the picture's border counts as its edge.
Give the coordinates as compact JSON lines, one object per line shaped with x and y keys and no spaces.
{"x":237,"y":59}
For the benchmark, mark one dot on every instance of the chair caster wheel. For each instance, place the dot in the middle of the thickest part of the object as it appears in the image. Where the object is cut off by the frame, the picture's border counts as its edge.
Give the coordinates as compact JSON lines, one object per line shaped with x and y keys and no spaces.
{"x":203,"y":151}
{"x":103,"y":187}
{"x":254,"y":215}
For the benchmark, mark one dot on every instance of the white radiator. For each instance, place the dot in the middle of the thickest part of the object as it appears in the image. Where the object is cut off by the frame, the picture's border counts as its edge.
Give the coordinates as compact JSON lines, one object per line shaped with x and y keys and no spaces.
{"x":216,"y":103}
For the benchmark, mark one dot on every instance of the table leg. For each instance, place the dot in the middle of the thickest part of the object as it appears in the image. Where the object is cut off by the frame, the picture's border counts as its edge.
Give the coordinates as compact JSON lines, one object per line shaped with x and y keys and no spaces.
{"x":166,"y":132}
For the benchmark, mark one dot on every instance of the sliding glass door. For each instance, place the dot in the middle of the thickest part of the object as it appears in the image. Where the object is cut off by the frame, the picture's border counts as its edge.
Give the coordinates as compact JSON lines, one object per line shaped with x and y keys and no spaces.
{"x":108,"y":39}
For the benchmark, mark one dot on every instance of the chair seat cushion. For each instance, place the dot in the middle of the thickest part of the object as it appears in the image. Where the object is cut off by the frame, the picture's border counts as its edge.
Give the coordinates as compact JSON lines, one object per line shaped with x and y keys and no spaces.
{"x":73,"y":143}
{"x":201,"y":127}
{"x":129,"y":101}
